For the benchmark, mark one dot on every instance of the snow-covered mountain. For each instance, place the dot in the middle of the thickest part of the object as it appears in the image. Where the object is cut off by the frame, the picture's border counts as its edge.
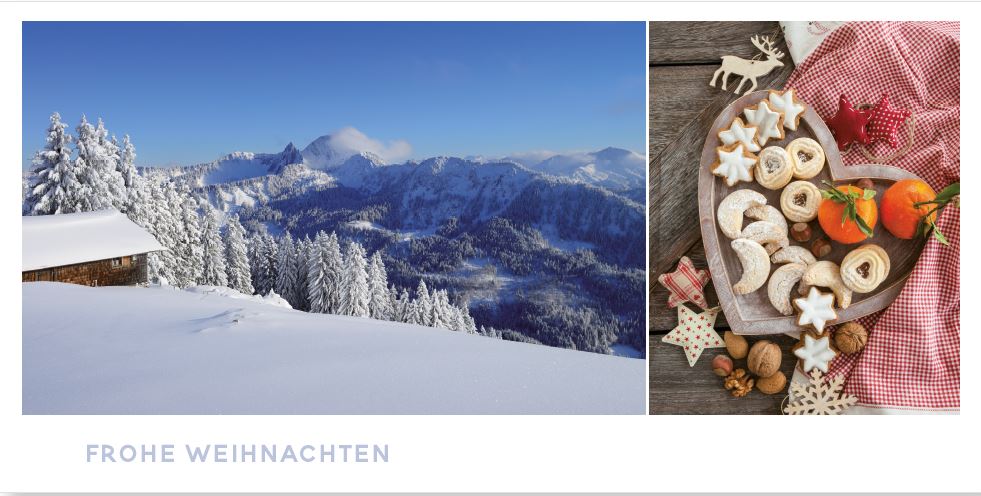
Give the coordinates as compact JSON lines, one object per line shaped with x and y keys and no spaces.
{"x":208,"y":352}
{"x":612,"y":168}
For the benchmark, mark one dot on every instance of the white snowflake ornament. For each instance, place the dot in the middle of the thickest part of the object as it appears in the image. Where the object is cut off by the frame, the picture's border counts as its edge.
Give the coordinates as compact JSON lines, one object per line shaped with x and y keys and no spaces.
{"x":695,"y":333}
{"x":818,"y":397}
{"x":816,"y":353}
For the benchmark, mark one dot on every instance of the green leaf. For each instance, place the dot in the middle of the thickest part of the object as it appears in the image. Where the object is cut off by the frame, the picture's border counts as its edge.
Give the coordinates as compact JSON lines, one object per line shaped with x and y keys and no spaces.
{"x":949,"y":192}
{"x":922,"y":228}
{"x":827,"y":195}
{"x":868,"y":194}
{"x":862,"y":226}
{"x":940,"y":237}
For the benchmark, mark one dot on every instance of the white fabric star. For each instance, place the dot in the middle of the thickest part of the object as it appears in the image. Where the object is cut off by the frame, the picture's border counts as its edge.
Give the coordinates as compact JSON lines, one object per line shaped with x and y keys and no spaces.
{"x":816,"y":353}
{"x":695,"y":333}
{"x":766,"y":120}
{"x":739,"y":132}
{"x":785,"y":103}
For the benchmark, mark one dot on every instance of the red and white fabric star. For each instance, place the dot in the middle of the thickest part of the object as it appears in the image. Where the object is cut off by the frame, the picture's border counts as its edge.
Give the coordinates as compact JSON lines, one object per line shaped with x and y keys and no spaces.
{"x":695,"y":333}
{"x":686,"y":283}
{"x":884,"y":122}
{"x":848,"y":124}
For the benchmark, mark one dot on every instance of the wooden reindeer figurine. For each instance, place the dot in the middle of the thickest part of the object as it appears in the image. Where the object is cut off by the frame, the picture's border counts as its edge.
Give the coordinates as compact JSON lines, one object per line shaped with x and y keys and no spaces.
{"x":749,"y":69}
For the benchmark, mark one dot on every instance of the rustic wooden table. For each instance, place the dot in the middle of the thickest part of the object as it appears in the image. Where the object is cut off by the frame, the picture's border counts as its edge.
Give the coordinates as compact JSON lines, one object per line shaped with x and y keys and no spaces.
{"x":682,"y":58}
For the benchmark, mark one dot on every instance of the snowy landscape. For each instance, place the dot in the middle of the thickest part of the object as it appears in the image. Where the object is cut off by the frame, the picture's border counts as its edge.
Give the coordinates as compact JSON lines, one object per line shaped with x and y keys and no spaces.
{"x":209,"y":350}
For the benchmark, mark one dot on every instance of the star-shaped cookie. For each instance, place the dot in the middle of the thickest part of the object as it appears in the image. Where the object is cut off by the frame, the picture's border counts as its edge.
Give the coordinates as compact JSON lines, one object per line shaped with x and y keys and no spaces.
{"x":739,"y":132}
{"x":848,"y":124}
{"x":769,"y":123}
{"x":884,"y":122}
{"x":695,"y":333}
{"x":786,"y":101}
{"x":734,"y":163}
{"x":815,"y":351}
{"x":686,"y":283}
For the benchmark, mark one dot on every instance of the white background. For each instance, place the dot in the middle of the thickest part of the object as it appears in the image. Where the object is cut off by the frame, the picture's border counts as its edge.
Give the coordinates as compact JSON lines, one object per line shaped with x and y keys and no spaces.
{"x":449,"y":453}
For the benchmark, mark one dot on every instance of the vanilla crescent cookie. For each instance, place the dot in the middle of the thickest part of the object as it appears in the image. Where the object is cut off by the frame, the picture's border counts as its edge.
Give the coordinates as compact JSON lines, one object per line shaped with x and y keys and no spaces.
{"x":788,"y":103}
{"x":864,"y":268}
{"x":732,"y":208}
{"x":769,"y":123}
{"x":734,"y":163}
{"x":807,"y":157}
{"x":756,"y":265}
{"x":764,"y":232}
{"x":828,"y":275}
{"x":739,"y":132}
{"x":782,"y":281}
{"x":799,"y":201}
{"x":774,"y":168}
{"x":793,"y":254}
{"x":770,"y":214}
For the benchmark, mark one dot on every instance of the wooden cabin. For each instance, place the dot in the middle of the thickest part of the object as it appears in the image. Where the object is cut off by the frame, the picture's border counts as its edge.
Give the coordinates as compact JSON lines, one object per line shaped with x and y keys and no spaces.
{"x":102,"y":248}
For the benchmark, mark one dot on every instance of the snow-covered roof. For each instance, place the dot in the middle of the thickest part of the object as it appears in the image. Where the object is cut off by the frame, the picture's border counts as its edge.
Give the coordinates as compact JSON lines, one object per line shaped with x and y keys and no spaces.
{"x":65,"y":239}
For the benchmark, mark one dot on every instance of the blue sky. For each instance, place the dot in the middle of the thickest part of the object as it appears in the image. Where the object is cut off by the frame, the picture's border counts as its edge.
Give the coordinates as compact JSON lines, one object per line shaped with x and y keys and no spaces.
{"x":191,"y":92}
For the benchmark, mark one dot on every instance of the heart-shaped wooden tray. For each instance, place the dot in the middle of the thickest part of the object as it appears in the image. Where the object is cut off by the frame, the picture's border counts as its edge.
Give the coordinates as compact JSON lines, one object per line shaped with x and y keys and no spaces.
{"x":753,"y":313}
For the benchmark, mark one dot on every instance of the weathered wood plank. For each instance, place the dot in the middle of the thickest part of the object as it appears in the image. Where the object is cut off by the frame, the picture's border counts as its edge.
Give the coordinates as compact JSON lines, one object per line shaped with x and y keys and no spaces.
{"x":677,"y":389}
{"x":689,"y":43}
{"x":676,"y":92}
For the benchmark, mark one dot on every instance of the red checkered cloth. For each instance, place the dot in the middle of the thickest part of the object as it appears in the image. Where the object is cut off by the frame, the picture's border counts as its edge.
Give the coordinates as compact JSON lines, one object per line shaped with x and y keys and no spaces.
{"x":912,"y":359}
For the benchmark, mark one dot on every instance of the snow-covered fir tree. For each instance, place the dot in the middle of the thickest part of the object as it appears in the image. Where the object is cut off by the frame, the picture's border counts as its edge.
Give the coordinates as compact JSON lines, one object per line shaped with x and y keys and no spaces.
{"x":286,"y":269}
{"x":160,"y":264}
{"x":191,"y":253}
{"x":127,"y":164}
{"x":317,"y":267}
{"x":109,"y":168}
{"x":236,"y":260}
{"x":54,"y":186}
{"x":355,"y":295}
{"x":421,"y":308}
{"x":268,"y":253}
{"x":212,"y":251}
{"x":334,"y":262}
{"x":101,"y":188}
{"x":379,"y":305}
{"x":303,"y":256}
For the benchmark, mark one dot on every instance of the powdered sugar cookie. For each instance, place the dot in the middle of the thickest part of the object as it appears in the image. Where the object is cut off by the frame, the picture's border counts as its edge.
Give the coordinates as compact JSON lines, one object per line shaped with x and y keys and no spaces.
{"x":756,"y":265}
{"x":732,"y":208}
{"x":781,"y":283}
{"x":734,"y":163}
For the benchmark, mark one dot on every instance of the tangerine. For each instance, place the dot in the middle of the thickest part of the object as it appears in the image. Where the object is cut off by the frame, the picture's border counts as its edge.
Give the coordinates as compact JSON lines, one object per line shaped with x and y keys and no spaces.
{"x":830,"y":214}
{"x":899,"y":216}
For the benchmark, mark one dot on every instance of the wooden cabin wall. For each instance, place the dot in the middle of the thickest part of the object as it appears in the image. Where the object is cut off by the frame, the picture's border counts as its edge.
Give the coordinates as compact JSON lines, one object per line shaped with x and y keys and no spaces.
{"x":98,"y":273}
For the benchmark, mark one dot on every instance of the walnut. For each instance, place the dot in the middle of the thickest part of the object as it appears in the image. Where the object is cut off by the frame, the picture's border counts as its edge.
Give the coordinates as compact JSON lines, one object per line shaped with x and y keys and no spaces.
{"x":739,"y":383}
{"x":764,"y":358}
{"x":851,"y":337}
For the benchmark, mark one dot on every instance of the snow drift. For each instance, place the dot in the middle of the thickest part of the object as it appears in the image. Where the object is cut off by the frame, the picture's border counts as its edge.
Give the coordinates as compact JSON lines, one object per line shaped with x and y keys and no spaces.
{"x":119,"y":350}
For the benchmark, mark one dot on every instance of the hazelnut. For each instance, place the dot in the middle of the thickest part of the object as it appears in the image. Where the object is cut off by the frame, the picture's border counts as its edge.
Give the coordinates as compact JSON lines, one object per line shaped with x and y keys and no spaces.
{"x":851,"y":337}
{"x":864,"y":183}
{"x":764,"y":358}
{"x":736,"y":345}
{"x":722,"y":365}
{"x":773,"y":384}
{"x":821,"y":247}
{"x":801,"y":232}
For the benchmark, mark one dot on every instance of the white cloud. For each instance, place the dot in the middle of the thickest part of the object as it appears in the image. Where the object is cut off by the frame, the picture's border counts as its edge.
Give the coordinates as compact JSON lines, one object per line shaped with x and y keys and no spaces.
{"x":350,"y":141}
{"x":532,"y":157}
